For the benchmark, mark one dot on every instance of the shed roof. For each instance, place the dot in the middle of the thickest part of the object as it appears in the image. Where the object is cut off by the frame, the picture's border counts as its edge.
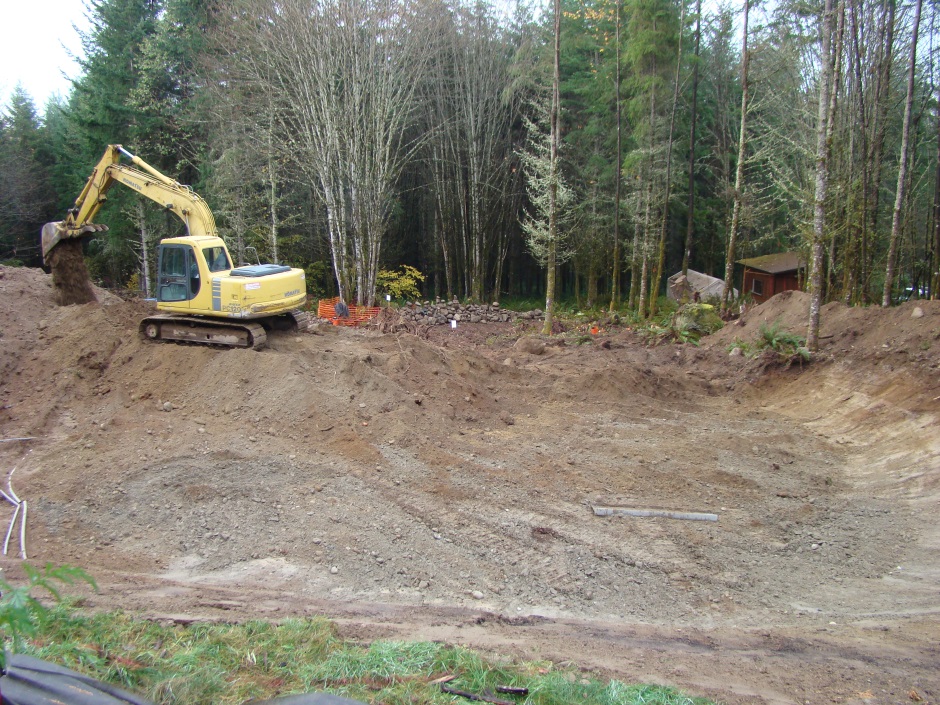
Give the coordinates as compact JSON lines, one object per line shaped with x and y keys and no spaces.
{"x":777,"y":263}
{"x":704,"y":284}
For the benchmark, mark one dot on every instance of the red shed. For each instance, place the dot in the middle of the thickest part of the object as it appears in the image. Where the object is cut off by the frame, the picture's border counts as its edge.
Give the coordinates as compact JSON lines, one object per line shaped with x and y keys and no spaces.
{"x":771,"y":274}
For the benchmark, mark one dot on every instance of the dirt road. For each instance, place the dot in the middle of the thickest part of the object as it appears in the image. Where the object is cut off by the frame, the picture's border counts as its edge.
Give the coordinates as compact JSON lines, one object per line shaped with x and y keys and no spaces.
{"x":442,"y":488}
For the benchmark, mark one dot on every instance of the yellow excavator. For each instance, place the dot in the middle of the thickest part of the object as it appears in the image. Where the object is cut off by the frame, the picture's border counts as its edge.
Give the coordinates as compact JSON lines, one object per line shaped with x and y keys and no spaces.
{"x":204,"y":298}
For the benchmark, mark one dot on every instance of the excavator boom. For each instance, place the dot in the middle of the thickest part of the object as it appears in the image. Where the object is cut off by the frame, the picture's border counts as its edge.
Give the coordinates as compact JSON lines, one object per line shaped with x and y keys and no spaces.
{"x":181,"y":200}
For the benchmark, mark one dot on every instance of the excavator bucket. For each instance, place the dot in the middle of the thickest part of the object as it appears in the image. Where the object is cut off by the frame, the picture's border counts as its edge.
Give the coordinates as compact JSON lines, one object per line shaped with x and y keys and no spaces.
{"x":54,"y":233}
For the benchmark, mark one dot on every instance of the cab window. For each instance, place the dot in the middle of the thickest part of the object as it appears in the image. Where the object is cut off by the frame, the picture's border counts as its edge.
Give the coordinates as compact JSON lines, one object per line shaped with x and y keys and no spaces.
{"x":217,"y":259}
{"x":173,"y":262}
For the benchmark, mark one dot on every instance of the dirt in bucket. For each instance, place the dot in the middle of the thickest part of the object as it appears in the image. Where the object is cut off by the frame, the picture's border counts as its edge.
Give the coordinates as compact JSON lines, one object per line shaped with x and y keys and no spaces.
{"x":70,"y":279}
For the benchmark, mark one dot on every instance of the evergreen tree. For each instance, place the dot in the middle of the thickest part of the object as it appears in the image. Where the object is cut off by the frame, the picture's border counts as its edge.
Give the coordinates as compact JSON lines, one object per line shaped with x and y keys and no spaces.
{"x":26,"y":200}
{"x":102,"y":111}
{"x":653,"y":29}
{"x":588,"y":94}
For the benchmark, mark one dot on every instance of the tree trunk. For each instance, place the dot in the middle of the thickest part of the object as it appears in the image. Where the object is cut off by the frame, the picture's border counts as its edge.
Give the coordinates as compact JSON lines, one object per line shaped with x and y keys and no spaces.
{"x":727,"y":293}
{"x":644,"y":245}
{"x":823,"y":120}
{"x":144,"y":249}
{"x":687,"y":252}
{"x":634,"y":264}
{"x":272,"y":209}
{"x":591,"y":284}
{"x":935,"y":260}
{"x":553,"y":183}
{"x":664,"y":221}
{"x":902,"y":168}
{"x":878,"y":133}
{"x":615,"y":275}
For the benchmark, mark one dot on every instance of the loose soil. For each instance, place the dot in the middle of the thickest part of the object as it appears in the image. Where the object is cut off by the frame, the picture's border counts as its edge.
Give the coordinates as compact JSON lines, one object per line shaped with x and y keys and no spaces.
{"x":441,"y":487}
{"x":70,"y":280}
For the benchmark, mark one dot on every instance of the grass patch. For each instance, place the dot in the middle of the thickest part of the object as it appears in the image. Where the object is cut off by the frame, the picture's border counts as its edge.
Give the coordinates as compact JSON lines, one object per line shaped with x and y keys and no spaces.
{"x":223,"y":664}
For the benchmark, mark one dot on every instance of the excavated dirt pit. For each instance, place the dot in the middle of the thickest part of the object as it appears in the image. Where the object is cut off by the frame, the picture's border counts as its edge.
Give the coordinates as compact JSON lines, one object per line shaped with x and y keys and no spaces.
{"x":442,"y":488}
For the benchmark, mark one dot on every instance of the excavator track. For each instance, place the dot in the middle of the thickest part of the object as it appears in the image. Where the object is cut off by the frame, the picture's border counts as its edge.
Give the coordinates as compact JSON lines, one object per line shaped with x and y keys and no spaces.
{"x":301,"y":319}
{"x":204,"y":331}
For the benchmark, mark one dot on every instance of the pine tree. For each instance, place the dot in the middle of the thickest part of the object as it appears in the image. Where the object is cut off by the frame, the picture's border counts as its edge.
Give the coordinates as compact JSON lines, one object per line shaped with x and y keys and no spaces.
{"x":549,"y":197}
{"x":26,"y":199}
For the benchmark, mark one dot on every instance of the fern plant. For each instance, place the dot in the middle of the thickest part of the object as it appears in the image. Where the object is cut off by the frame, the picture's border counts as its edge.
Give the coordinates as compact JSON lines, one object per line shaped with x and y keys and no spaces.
{"x":784,"y":343}
{"x":20,"y":608}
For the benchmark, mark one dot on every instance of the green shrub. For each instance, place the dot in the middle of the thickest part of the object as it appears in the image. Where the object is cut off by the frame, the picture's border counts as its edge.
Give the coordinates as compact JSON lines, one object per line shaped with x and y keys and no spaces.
{"x":401,"y":284}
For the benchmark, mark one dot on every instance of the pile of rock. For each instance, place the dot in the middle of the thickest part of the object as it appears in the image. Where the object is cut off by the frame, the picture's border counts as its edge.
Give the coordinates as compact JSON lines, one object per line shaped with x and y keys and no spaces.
{"x":441,"y":313}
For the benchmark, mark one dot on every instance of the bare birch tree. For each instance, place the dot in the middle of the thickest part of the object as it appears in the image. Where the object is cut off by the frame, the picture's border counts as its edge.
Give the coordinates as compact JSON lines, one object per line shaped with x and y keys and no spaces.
{"x":664,"y":216}
{"x":469,"y":152}
{"x":903,"y":166}
{"x":343,"y":76}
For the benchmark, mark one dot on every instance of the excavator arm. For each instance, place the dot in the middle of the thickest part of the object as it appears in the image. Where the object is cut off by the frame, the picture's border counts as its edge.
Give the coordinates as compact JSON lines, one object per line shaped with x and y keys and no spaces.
{"x":146,"y":180}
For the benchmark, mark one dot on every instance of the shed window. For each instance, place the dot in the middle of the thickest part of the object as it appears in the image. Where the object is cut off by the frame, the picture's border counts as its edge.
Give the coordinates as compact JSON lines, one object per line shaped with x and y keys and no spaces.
{"x":757,"y":287}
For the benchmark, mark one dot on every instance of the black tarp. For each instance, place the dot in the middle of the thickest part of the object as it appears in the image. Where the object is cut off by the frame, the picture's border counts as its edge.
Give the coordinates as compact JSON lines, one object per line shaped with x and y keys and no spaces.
{"x":32,"y":681}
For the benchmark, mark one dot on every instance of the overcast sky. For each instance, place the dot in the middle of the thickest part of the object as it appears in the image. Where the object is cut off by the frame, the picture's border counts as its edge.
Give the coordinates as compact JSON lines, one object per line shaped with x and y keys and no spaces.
{"x":38,"y":36}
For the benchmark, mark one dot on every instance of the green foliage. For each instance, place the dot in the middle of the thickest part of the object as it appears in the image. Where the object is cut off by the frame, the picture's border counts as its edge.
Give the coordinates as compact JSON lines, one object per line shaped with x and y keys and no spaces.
{"x":785,"y":346}
{"x":223,"y":664}
{"x":703,"y":319}
{"x":746,"y":348}
{"x":26,"y":198}
{"x":784,"y":343}
{"x":687,"y":324}
{"x":162,"y":79}
{"x":21,"y":612}
{"x":521,"y":303}
{"x":546,"y":223}
{"x":319,"y":278}
{"x":401,"y":284}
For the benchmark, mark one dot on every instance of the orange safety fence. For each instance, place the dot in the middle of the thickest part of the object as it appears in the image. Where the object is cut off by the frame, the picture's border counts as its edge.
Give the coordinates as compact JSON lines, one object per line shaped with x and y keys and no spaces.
{"x":357,"y":314}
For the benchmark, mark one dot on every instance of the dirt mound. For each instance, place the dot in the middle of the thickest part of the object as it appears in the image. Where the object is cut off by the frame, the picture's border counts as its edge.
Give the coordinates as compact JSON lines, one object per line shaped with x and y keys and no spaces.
{"x":902,"y":340}
{"x":442,"y":488}
{"x":846,"y":331}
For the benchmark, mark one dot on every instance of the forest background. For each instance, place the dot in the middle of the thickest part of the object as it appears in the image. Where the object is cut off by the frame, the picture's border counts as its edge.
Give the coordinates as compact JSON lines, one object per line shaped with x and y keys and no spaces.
{"x":350,"y":136}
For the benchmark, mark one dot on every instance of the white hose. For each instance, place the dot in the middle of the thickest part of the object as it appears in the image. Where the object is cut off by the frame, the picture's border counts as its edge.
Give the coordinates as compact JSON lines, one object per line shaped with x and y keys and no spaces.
{"x":10,"y":485}
{"x":6,"y":543}
{"x":23,"y":533}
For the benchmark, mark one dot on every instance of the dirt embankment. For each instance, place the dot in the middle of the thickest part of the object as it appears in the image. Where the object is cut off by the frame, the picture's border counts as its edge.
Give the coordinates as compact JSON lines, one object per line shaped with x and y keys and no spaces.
{"x":442,"y":488}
